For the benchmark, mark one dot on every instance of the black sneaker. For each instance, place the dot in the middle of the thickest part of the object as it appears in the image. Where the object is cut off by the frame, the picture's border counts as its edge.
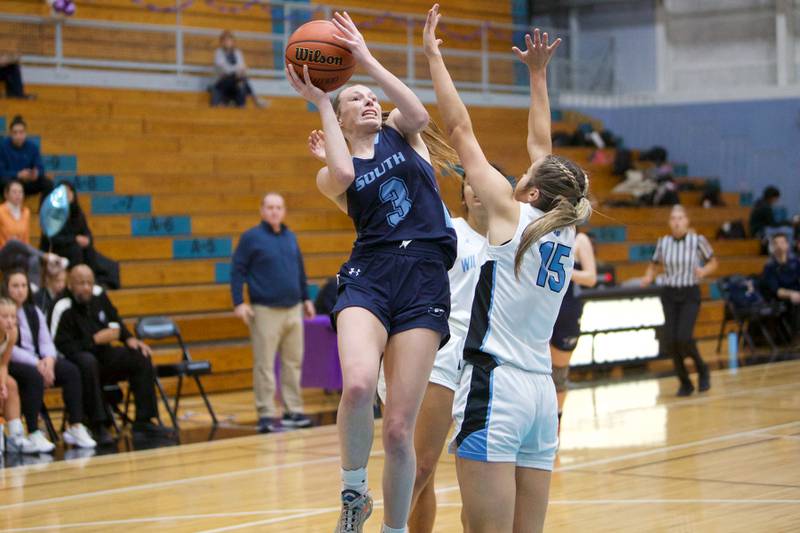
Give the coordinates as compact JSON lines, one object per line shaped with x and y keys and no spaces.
{"x":686,"y":389}
{"x":102,"y":436}
{"x":296,"y":420}
{"x":152,"y":430}
{"x":268,"y":424}
{"x":704,"y":381}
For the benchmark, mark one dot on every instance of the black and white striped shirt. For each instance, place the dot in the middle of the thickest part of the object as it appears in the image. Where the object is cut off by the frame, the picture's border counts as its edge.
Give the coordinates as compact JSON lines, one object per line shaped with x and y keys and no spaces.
{"x":680,"y":258}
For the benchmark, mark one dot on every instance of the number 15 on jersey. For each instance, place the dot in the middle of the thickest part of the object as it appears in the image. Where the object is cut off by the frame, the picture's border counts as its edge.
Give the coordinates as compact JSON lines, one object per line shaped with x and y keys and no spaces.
{"x":552,"y":272}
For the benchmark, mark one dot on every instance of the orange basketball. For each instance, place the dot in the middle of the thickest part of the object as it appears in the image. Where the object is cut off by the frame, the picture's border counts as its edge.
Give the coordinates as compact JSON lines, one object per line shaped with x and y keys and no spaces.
{"x":330,"y":64}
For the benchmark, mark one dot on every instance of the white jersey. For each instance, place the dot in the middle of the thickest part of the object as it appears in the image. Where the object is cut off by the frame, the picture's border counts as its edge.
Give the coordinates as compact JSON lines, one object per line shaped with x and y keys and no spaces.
{"x":464,"y":276}
{"x":512,"y":319}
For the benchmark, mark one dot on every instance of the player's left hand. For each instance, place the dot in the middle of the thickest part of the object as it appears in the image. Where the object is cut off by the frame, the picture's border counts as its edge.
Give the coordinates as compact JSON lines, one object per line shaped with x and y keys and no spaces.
{"x":430,"y":43}
{"x":538,"y":50}
{"x":351,"y":38}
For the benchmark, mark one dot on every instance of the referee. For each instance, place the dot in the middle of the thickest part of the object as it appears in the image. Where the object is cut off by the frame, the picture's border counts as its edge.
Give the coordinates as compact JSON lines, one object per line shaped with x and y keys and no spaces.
{"x":686,"y":259}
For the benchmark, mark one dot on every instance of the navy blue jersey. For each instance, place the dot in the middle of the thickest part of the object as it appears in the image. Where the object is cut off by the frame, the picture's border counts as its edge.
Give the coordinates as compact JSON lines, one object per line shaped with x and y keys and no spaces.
{"x":395,"y":198}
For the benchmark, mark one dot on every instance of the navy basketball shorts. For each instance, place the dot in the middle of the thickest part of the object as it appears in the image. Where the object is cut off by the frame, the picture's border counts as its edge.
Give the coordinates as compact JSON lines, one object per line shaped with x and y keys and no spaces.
{"x":404,"y":287}
{"x":567,"y":329}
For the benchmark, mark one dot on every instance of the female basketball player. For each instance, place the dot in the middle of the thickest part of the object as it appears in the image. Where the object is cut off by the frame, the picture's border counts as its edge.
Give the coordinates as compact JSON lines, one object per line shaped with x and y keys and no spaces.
{"x":435,"y":415}
{"x":567,"y":328}
{"x":394,"y":295}
{"x":505,"y":407}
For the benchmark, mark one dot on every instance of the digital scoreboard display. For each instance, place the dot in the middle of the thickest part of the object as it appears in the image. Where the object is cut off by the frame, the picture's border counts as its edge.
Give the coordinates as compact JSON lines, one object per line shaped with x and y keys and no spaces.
{"x":618,"y":325}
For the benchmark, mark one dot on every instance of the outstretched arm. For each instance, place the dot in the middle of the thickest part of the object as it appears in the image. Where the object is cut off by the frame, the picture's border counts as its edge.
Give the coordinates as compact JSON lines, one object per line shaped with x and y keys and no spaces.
{"x":536,"y":56}
{"x":334,"y":179}
{"x":490,"y":185}
{"x":410,"y":116}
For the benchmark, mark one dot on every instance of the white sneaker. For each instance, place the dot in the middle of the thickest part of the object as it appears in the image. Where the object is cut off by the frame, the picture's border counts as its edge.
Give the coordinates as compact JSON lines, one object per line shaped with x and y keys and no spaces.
{"x":20,"y":444}
{"x":78,"y":436}
{"x":41,"y":443}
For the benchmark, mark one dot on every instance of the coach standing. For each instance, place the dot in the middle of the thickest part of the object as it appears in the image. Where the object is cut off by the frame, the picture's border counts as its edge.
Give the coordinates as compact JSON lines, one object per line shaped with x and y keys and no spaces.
{"x":268,"y":259}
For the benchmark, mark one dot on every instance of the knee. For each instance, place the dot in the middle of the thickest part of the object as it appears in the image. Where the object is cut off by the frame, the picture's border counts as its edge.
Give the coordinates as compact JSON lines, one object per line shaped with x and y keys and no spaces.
{"x":86,"y":362}
{"x":398,"y":436}
{"x":69,"y":372}
{"x":426,"y":468}
{"x":358,"y":393}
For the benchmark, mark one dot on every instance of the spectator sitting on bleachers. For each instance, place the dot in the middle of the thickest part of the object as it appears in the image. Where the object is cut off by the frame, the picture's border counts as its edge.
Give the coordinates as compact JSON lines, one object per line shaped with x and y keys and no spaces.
{"x":20,"y":159}
{"x":15,"y":248}
{"x":781,"y":277}
{"x":763,"y":216}
{"x":86,"y":326}
{"x":36,"y":367}
{"x":11,"y":75}
{"x":75,"y":242}
{"x":54,"y":283}
{"x":232,"y":85}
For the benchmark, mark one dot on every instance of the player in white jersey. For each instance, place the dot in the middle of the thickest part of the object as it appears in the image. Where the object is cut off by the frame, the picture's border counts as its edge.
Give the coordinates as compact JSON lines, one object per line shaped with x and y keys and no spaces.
{"x":505,"y":407}
{"x":435,"y":416}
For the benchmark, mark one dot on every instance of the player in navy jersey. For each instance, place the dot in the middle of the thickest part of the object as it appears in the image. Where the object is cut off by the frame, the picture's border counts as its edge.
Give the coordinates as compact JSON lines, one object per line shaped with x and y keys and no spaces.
{"x":394,"y":296}
{"x":567,"y":329}
{"x":505,"y":406}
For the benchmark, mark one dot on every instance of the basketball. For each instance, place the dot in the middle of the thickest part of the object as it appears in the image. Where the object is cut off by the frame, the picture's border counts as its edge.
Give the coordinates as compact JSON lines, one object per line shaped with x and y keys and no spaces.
{"x":330,"y":64}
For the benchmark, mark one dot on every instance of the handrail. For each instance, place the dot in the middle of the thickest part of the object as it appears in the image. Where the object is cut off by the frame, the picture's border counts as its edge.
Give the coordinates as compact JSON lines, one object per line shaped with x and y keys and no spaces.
{"x":484,"y":57}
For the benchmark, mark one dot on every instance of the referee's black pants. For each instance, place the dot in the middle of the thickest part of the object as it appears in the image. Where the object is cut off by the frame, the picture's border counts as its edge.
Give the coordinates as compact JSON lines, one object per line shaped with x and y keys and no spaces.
{"x":681,"y":307}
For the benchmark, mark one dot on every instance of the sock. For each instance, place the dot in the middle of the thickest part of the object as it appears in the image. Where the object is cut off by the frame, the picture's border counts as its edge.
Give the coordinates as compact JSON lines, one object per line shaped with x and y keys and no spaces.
{"x":387,"y":529}
{"x":15,"y":428}
{"x":355,"y":480}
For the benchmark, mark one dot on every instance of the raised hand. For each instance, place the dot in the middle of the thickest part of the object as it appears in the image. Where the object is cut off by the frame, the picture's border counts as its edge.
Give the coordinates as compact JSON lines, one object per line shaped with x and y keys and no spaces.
{"x":430,"y":43}
{"x":304,"y":87}
{"x":316,"y":145}
{"x":538,"y":50}
{"x":351,"y":38}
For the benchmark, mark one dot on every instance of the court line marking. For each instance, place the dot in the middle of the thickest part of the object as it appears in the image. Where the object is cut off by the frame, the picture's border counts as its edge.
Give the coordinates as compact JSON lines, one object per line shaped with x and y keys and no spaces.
{"x":237,"y":473}
{"x":312,"y":512}
{"x":453,"y":488}
{"x":176,"y":518}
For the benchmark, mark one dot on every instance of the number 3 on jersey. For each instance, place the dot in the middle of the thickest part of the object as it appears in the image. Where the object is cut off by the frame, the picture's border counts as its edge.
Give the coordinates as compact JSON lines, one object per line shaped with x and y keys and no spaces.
{"x":394,"y":191}
{"x":552,"y":263}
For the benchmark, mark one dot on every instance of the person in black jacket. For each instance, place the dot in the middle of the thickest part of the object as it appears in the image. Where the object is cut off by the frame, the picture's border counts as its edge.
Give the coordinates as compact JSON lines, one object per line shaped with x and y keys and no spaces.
{"x":74,"y":241}
{"x":86,"y":328}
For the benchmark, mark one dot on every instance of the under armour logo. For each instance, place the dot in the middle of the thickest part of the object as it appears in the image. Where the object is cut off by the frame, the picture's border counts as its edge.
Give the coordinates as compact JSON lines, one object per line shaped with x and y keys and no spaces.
{"x":405,"y":244}
{"x":354,"y":271}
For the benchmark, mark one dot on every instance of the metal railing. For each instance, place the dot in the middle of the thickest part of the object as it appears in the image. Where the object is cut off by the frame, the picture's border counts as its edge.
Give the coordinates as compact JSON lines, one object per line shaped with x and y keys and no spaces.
{"x":472,"y":48}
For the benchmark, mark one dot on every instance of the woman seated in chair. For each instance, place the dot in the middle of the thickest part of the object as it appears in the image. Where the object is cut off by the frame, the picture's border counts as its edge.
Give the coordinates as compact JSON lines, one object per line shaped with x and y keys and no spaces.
{"x":35,"y":366}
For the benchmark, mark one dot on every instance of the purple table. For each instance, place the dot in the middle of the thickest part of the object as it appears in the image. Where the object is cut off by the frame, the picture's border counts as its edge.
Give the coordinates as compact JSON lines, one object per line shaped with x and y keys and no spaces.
{"x":321,"y":368}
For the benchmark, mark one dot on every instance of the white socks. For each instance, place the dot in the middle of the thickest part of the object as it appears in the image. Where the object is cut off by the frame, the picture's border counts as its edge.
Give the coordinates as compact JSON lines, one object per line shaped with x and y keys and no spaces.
{"x":15,"y":428}
{"x":387,"y":529}
{"x":355,"y":480}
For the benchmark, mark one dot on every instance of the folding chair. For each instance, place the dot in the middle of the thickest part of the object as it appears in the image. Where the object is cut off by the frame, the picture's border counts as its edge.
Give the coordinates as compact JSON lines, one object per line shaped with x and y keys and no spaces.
{"x":162,"y":327}
{"x":745,"y":305}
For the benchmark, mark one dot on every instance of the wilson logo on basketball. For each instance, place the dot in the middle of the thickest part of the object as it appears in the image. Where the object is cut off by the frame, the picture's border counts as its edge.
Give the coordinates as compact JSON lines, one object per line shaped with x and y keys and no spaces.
{"x":315,"y":56}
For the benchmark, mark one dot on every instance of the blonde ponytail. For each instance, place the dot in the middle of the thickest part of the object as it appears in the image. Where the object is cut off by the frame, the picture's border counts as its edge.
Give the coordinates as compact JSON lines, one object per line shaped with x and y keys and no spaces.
{"x":563,"y":188}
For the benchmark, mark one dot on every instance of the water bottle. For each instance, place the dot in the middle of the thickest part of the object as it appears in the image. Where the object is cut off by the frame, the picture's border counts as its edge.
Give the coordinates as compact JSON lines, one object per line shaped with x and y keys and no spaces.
{"x":733,"y":352}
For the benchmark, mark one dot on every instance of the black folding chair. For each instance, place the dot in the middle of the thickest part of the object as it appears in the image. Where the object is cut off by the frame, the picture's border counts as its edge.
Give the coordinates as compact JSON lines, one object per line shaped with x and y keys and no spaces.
{"x":745,"y":306}
{"x":162,"y":327}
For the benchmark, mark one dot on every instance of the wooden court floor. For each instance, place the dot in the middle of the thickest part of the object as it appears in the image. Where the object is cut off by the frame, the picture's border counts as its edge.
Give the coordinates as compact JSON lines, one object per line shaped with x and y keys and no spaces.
{"x":630,"y":460}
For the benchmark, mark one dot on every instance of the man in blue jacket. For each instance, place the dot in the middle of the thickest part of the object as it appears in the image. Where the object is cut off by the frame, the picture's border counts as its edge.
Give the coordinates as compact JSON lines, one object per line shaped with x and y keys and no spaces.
{"x":20,"y":160}
{"x":268,"y":259}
